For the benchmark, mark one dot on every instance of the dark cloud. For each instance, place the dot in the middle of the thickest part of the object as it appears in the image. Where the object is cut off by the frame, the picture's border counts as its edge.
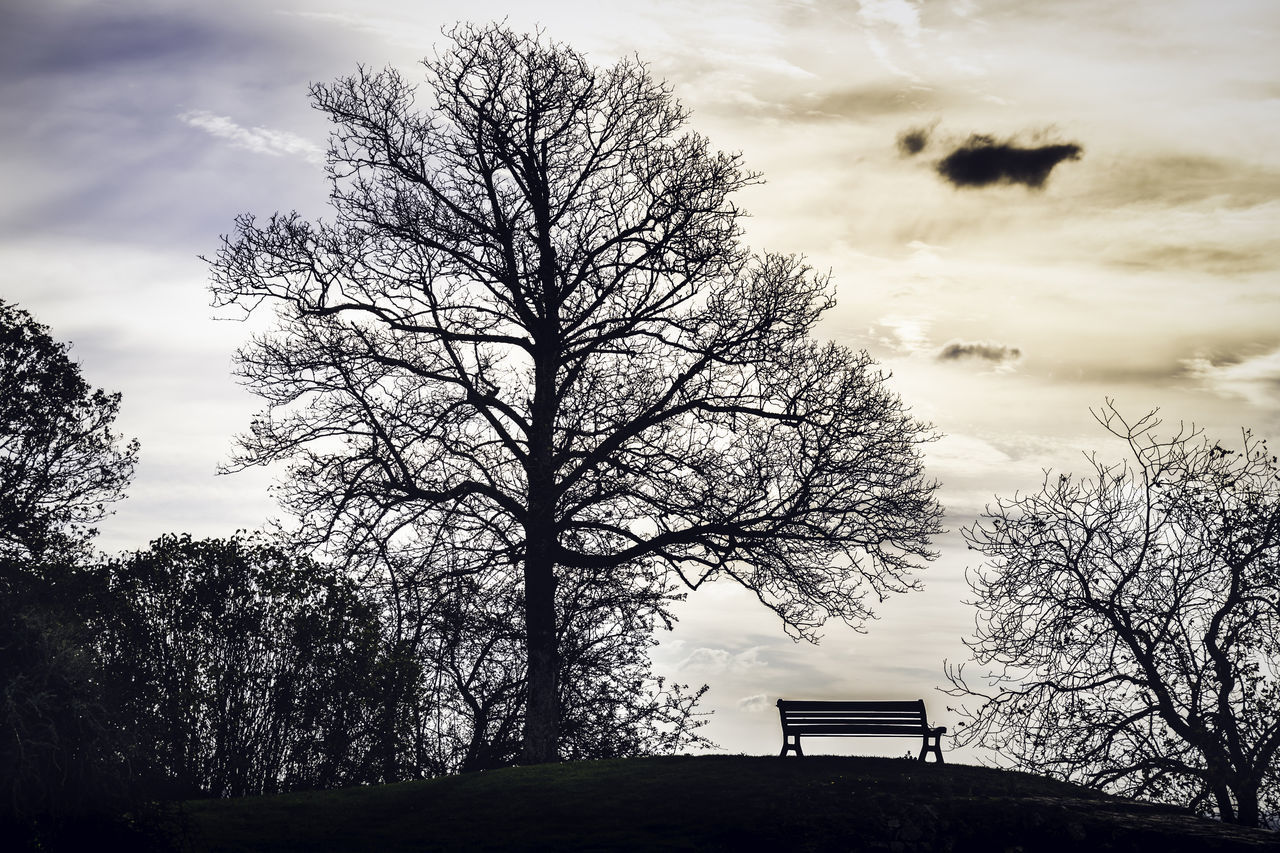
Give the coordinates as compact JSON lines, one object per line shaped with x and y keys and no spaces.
{"x":51,"y":38}
{"x":984,"y":350}
{"x":92,"y":143}
{"x":913,"y":140}
{"x":983,"y":160}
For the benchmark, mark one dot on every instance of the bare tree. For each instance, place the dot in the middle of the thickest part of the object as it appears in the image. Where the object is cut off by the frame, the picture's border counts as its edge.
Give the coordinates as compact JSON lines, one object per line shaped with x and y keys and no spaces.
{"x":531,"y":323}
{"x":1130,"y":623}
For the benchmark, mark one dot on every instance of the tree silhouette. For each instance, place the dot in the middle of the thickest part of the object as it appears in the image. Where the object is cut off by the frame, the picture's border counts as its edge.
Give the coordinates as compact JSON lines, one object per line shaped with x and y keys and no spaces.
{"x":239,"y":668}
{"x":471,"y":643}
{"x":1132,"y":624}
{"x":531,"y":323}
{"x":60,"y":463}
{"x":62,"y":755}
{"x":61,"y":466}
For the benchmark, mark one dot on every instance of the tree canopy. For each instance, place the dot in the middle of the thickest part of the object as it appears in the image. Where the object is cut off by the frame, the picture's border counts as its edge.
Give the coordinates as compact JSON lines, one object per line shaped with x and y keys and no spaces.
{"x":240,"y":669}
{"x":531,"y":327}
{"x":61,"y":466}
{"x":1129,"y":623}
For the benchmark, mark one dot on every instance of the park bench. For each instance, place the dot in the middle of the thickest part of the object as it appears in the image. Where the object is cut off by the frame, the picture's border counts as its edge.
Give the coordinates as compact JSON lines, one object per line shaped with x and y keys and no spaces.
{"x":858,"y":719}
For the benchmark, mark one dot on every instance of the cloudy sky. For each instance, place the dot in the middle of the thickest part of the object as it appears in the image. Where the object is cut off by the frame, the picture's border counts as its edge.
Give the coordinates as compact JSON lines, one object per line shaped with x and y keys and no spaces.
{"x":1126,"y":245}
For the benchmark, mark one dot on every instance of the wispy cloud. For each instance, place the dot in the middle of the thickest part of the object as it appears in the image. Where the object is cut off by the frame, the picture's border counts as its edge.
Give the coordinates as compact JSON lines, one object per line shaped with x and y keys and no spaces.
{"x":1255,"y":380}
{"x":716,"y":661}
{"x":1179,"y":179}
{"x":889,"y":22}
{"x":405,"y":30}
{"x":866,"y":102}
{"x":899,"y":15}
{"x":261,"y":140}
{"x":1213,"y":236}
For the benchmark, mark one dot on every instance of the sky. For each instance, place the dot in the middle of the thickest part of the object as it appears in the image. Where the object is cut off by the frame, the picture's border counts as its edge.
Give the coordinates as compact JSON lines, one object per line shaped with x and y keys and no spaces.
{"x":1128,"y":247}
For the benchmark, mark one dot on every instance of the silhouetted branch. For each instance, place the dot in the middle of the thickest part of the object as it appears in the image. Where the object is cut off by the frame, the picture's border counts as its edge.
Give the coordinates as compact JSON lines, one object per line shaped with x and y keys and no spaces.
{"x":1131,"y":622}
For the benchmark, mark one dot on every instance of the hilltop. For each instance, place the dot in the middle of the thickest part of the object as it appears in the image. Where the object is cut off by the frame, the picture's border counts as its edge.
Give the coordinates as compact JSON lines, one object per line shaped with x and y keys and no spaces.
{"x":726,"y":803}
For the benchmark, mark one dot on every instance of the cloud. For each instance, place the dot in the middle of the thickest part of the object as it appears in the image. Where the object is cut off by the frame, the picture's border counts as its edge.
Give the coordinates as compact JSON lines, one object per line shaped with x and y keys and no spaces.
{"x":713,"y":661}
{"x":913,"y":140}
{"x":955,"y":451}
{"x":1255,"y":380}
{"x":754,"y":704}
{"x":1176,"y":180}
{"x":1212,"y":259}
{"x":894,"y":22}
{"x":984,"y":350}
{"x":868,"y":101}
{"x":49,"y":38}
{"x":260,"y":140}
{"x":983,"y":160}
{"x":1214,"y":236}
{"x":899,"y":15}
{"x":393,"y":30}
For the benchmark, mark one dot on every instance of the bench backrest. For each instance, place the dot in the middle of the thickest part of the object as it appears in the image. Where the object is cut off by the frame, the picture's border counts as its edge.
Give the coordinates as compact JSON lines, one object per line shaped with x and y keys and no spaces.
{"x":870,"y":718}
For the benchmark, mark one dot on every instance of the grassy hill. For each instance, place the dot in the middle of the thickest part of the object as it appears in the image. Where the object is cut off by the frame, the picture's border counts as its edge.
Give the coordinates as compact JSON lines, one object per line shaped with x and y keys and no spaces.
{"x":712,"y":803}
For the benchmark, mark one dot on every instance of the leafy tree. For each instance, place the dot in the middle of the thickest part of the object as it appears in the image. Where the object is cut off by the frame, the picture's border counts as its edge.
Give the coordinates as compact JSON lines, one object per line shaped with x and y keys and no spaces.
{"x":61,"y":755}
{"x":531,"y":323}
{"x":61,"y":466}
{"x":241,"y":669}
{"x":1131,"y":623}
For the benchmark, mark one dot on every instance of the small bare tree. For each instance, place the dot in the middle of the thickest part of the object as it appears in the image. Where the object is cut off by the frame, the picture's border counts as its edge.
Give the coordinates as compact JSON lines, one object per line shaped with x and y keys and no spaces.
{"x":1130,"y":623}
{"x":531,"y":322}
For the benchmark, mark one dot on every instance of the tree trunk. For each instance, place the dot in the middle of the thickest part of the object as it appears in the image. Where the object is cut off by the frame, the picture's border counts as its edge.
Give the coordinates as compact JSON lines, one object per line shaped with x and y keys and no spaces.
{"x":542,"y":710}
{"x":1226,"y":812}
{"x":390,"y":719}
{"x":1246,"y":806}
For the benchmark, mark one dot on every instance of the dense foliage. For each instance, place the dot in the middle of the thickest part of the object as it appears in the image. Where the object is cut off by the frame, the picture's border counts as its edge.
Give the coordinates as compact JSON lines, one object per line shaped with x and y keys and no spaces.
{"x":239,"y":668}
{"x":61,"y":466}
{"x":62,"y":754}
{"x":60,"y":463}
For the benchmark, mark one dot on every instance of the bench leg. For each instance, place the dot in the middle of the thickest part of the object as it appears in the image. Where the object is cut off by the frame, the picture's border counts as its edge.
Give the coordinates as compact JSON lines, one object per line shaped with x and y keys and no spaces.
{"x":935,"y":748}
{"x":787,"y":746}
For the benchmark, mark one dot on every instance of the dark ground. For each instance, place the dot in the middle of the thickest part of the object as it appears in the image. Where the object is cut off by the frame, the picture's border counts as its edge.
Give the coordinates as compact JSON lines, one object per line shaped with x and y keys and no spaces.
{"x":712,"y":803}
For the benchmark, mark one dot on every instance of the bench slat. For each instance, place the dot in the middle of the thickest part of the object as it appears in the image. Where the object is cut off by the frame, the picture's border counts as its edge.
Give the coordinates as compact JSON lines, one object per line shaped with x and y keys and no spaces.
{"x":915,"y":731}
{"x":850,"y":715}
{"x":896,"y":724}
{"x":917,"y":705}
